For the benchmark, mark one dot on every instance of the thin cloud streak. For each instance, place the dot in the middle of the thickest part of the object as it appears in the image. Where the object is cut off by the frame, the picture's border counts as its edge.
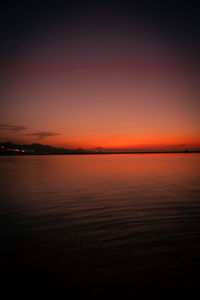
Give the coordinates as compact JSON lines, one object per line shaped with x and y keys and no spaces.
{"x":138,"y":65}
{"x":177,"y":146}
{"x":43,"y":134}
{"x":12,"y":127}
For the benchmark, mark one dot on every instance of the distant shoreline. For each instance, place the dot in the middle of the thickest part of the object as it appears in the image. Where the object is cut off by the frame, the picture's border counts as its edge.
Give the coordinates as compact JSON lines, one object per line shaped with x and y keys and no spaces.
{"x":9,"y":148}
{"x":97,"y":153}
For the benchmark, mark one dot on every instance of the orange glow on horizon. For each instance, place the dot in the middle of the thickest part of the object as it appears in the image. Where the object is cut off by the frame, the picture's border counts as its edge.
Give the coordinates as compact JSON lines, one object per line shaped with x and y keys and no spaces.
{"x":128,"y":143}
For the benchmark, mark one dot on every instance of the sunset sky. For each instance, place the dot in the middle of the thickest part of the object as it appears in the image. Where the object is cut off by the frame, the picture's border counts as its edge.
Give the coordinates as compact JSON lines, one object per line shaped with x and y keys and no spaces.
{"x":110,"y":76}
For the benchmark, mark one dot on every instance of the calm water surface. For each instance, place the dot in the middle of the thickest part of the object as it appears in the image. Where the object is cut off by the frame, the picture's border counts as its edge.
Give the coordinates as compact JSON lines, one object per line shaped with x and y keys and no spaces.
{"x":101,"y":223}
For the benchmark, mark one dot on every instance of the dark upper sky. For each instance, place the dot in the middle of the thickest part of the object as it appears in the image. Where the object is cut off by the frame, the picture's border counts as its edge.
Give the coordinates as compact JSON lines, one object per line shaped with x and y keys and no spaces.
{"x":20,"y":20}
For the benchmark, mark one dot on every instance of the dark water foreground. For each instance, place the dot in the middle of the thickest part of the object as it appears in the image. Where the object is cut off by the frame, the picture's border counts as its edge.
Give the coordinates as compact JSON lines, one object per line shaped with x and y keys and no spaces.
{"x":126,"y":226}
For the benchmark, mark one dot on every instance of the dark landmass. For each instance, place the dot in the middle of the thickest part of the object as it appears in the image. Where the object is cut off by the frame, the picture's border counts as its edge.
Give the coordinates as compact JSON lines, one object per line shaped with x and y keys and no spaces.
{"x":26,"y":149}
{"x":9,"y":148}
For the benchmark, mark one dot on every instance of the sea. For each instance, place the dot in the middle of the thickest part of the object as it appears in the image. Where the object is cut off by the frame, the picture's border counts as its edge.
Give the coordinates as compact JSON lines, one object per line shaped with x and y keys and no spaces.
{"x":107,"y":226}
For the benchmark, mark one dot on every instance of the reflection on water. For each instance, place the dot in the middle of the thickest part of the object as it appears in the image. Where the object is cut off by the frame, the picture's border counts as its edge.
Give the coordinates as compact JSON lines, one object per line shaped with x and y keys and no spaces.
{"x":102,"y":222}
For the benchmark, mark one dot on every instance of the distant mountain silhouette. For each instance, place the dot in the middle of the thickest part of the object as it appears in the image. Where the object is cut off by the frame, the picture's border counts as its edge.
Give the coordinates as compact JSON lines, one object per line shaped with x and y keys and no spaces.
{"x":9,"y":147}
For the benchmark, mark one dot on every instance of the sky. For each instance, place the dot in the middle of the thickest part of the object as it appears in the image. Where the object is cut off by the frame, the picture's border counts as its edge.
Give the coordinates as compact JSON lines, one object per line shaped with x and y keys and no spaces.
{"x":110,"y":75}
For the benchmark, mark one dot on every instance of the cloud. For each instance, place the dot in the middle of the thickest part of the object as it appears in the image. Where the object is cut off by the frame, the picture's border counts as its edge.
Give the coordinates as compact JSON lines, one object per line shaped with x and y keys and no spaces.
{"x":31,"y":67}
{"x":177,"y":146}
{"x":19,"y":128}
{"x":12,"y":127}
{"x":43,"y":134}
